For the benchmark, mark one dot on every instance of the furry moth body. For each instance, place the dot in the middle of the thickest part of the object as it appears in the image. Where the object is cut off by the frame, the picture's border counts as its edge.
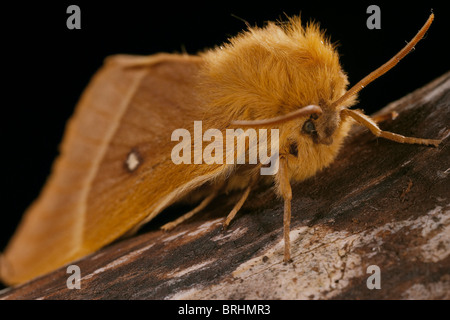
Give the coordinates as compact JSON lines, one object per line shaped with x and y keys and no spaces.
{"x":115,"y":171}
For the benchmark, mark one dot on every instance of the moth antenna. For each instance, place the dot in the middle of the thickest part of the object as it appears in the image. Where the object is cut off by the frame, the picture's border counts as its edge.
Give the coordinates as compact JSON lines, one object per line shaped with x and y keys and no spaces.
{"x":386,"y":66}
{"x":305,"y":111}
{"x":242,"y":19}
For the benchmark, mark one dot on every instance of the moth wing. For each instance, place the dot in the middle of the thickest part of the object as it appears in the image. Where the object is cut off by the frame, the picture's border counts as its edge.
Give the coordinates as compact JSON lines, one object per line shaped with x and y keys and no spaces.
{"x":93,"y":196}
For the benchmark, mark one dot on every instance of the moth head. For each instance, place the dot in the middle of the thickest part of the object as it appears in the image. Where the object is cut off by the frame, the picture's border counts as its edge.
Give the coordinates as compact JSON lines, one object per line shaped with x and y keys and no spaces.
{"x":325,"y":117}
{"x":320,"y":129}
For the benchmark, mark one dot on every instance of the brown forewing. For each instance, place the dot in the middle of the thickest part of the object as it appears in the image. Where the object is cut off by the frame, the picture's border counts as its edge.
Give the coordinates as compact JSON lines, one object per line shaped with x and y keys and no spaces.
{"x":92,"y":197}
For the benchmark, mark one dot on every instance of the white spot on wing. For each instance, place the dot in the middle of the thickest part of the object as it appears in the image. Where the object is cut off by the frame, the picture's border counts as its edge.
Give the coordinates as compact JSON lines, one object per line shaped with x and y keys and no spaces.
{"x":132,"y":161}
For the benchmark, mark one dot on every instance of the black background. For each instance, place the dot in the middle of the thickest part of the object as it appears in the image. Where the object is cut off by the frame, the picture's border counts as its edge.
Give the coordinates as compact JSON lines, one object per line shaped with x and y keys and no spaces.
{"x":46,"y":66}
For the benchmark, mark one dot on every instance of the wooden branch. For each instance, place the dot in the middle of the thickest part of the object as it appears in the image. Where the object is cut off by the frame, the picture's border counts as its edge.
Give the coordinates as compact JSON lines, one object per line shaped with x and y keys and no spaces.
{"x":381,"y":203}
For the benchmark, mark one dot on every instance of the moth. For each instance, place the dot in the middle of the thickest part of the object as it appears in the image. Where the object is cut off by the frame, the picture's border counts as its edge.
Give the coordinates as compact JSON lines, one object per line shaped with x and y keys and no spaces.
{"x":115,"y":172}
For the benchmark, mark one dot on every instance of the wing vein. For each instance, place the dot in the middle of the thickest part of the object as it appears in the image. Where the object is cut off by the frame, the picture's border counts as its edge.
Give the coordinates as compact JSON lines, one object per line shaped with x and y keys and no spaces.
{"x":115,"y":122}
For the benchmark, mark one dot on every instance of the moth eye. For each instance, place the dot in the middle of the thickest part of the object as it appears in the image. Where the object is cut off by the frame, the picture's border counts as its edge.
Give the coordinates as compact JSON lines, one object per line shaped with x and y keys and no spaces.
{"x":309,"y":127}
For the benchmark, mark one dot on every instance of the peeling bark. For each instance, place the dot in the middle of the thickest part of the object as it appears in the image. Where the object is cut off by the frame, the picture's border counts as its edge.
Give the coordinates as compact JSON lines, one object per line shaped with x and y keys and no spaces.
{"x":380,"y":203}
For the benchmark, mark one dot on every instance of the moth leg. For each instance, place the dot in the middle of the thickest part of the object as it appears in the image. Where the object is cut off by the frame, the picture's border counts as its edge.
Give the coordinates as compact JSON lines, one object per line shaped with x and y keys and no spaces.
{"x":286,"y":192}
{"x":368,"y":122}
{"x":383,"y":117}
{"x":240,"y":203}
{"x":200,"y":207}
{"x":237,"y":207}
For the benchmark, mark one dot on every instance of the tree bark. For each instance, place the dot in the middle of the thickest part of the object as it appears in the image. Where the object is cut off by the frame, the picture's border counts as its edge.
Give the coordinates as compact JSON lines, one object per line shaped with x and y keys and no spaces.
{"x":379,"y":204}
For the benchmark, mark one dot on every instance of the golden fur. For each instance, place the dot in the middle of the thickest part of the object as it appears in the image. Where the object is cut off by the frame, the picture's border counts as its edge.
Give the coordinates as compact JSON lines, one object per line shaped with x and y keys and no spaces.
{"x":271,"y":71}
